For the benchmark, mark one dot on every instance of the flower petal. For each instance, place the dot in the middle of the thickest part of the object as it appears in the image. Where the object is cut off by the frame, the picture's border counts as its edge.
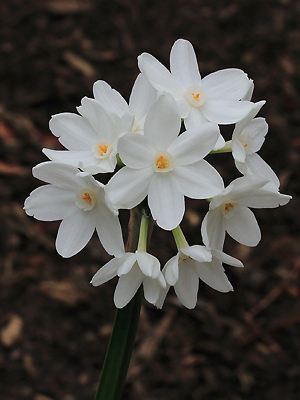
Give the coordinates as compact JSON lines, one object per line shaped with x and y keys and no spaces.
{"x":199,"y":180}
{"x":49,"y":203}
{"x":165,"y":201}
{"x":255,"y":132}
{"x":183,"y":63}
{"x":238,"y":151}
{"x":74,"y":233}
{"x":243,"y":227}
{"x":75,"y":158}
{"x":214,"y":276}
{"x":128,"y":261}
{"x":107,"y":272}
{"x":162,"y":124}
{"x":143,"y":95}
{"x":158,"y":75}
{"x":186,"y":288}
{"x":213,"y":229}
{"x":225,"y":111}
{"x":192,"y":146}
{"x":110,"y":99}
{"x":73,"y":131}
{"x":227,"y":259}
{"x":171,"y":271}
{"x":197,"y":253}
{"x":149,"y":265}
{"x":127,"y":287}
{"x":258,"y":167}
{"x":152,"y":290}
{"x":230,"y":83}
{"x":128,"y":187}
{"x":136,"y":151}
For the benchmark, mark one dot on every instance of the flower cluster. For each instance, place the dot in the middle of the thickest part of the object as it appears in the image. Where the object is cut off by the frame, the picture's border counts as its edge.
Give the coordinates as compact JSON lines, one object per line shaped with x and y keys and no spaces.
{"x":156,"y":145}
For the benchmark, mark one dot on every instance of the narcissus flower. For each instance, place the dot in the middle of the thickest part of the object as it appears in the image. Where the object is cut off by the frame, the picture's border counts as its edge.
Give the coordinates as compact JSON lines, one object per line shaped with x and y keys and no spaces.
{"x":215,"y":98}
{"x":141,"y":99}
{"x":229,"y":212}
{"x":164,"y":166}
{"x":133,"y":270}
{"x":79,"y":201}
{"x":91,"y":138}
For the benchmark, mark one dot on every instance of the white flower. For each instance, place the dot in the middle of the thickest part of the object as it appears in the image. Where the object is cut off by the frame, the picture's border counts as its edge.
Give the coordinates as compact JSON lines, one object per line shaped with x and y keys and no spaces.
{"x":142,"y":97}
{"x":229,"y":212}
{"x":133,"y":270}
{"x":192,"y":263}
{"x":215,"y":98}
{"x":79,"y":201}
{"x":248,"y":137}
{"x":91,"y":139}
{"x":165,"y":166}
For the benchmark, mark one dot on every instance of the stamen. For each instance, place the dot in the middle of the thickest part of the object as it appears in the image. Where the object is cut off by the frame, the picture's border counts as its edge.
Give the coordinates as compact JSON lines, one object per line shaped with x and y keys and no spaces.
{"x":228,"y":207}
{"x":87,"y":197}
{"x":196,"y":96}
{"x":162,"y":162}
{"x":102,"y":149}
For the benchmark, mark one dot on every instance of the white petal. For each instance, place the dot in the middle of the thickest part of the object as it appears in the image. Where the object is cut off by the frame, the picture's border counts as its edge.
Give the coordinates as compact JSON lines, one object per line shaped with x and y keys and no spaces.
{"x":214,"y":276}
{"x":162,"y":296}
{"x":225,"y":111}
{"x":227,"y":259}
{"x":143,"y":95}
{"x":60,"y":175}
{"x":149,"y":265}
{"x":74,"y":233}
{"x":199,"y":180}
{"x":248,"y":95}
{"x":100,"y":120}
{"x":213,"y":230}
{"x":220,"y":142}
{"x":107,"y":272}
{"x":255,"y":110}
{"x":109,"y":98}
{"x":187,"y":286}
{"x":230,"y":83}
{"x":128,"y":187}
{"x":238,"y":151}
{"x":192,"y":146}
{"x":258,"y":167}
{"x":171,"y":271}
{"x":197,"y":253}
{"x":183,"y":63}
{"x":256,"y":131}
{"x":243,"y":227}
{"x":158,"y":75}
{"x":128,"y":261}
{"x":162,"y":124}
{"x":194,"y":119}
{"x":75,"y":158}
{"x":72,"y":130}
{"x":152,"y":290}
{"x":165,"y":201}
{"x":108,"y":229}
{"x":127,"y":287}
{"x":49,"y":203}
{"x":136,"y":151}
{"x":263,"y":198}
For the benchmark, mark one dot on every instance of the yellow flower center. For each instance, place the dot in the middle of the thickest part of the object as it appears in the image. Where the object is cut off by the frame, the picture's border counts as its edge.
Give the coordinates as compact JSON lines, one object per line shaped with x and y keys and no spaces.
{"x":102,"y":149}
{"x":196,"y":96}
{"x":87,"y":198}
{"x":162,"y":162}
{"x":228,"y":207}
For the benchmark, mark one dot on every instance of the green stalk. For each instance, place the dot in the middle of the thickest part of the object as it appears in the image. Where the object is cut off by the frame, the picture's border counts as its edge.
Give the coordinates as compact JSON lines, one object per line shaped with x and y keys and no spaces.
{"x":122,"y":339}
{"x":226,"y":149}
{"x":179,"y":237}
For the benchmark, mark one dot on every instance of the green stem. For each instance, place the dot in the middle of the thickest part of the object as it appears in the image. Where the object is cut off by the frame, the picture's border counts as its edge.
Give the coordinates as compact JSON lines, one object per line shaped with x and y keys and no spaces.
{"x":226,"y":149}
{"x":121,"y":343}
{"x":179,"y":237}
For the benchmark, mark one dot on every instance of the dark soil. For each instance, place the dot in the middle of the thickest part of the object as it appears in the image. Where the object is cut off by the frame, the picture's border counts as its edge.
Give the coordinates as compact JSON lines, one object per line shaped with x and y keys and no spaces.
{"x":54,"y":327}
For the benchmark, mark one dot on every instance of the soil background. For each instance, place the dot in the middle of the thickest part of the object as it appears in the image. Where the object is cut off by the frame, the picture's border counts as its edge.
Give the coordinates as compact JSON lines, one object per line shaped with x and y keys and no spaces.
{"x":54,"y":326}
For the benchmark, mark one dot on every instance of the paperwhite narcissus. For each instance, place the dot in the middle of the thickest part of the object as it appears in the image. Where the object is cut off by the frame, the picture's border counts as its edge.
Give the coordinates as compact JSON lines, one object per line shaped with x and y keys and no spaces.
{"x":229,"y":212}
{"x":91,"y":139}
{"x":141,"y":99}
{"x":79,"y":201}
{"x":164,"y":166}
{"x":215,"y":98}
{"x":133,"y":269}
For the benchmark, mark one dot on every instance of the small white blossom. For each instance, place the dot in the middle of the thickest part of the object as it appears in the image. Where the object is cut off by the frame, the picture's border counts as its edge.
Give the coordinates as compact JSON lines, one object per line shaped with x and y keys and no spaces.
{"x":79,"y":201}
{"x":141,"y":99}
{"x":164,"y":166}
{"x":133,"y":269}
{"x":91,"y":138}
{"x":215,"y":98}
{"x":229,"y":212}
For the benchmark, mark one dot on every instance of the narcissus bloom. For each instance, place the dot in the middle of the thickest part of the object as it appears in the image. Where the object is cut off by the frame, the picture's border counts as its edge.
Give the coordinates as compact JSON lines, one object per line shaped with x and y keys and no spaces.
{"x":141,"y":99}
{"x":164,"y":166}
{"x":133,"y":270}
{"x":91,"y":138}
{"x":79,"y":201}
{"x":229,"y":212}
{"x":215,"y":98}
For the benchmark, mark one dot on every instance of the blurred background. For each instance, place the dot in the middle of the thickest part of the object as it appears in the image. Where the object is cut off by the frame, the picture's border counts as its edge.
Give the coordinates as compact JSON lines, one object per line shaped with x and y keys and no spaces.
{"x":54,"y":326}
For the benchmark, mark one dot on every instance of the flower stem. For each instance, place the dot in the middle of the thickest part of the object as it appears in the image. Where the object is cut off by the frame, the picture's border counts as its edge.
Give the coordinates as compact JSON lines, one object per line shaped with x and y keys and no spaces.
{"x":121,"y":343}
{"x":179,"y":237}
{"x":225,"y":149}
